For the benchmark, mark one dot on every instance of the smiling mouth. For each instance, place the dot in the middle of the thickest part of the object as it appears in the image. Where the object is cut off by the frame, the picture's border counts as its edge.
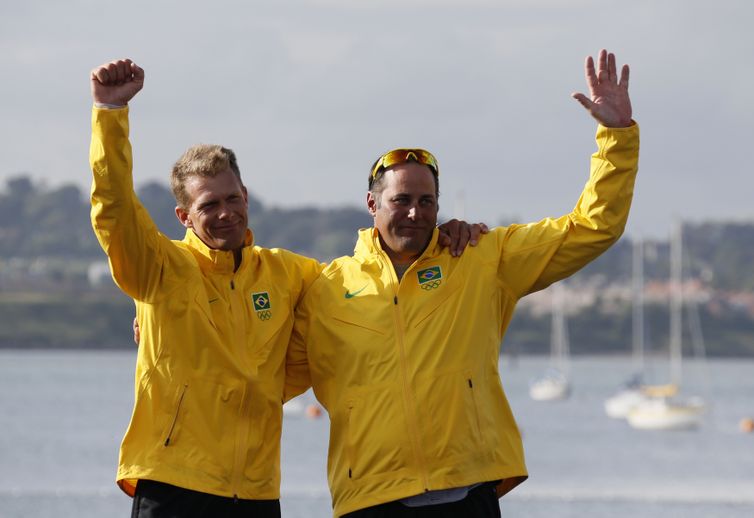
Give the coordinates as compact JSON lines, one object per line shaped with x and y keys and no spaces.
{"x":412,"y":229}
{"x":226,"y":228}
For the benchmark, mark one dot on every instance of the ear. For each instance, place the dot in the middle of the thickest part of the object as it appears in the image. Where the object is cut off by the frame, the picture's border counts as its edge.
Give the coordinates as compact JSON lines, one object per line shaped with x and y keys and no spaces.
{"x":372,"y":203}
{"x":183,"y":217}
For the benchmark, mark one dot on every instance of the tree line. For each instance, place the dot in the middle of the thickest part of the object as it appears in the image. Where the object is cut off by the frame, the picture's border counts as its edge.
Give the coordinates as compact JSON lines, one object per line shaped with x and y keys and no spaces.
{"x":51,"y":226}
{"x":40,"y":222}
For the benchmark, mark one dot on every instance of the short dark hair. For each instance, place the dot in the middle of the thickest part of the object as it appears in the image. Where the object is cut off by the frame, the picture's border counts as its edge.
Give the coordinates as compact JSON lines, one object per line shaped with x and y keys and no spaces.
{"x":376,"y":181}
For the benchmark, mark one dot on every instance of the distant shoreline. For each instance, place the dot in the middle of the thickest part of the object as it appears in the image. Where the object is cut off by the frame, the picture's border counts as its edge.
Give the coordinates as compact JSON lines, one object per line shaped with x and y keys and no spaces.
{"x":508,"y":356}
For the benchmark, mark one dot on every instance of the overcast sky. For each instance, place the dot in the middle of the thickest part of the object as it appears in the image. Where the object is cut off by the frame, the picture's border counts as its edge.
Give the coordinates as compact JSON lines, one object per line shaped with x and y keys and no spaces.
{"x":310,"y":92}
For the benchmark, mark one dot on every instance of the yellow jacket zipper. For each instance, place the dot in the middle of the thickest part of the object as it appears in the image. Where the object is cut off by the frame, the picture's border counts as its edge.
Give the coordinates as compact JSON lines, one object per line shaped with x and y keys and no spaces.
{"x":237,"y":310}
{"x":408,"y":395}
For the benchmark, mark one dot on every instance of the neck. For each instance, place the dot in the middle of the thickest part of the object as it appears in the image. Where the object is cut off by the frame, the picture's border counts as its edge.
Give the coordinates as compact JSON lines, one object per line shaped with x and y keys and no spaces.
{"x":401,"y":259}
{"x":237,"y":255}
{"x":400,"y":269}
{"x":398,"y":258}
{"x":400,"y":262}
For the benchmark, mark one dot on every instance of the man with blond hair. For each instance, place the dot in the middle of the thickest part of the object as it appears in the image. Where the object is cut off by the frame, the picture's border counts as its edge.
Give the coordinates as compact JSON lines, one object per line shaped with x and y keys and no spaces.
{"x":214,"y":314}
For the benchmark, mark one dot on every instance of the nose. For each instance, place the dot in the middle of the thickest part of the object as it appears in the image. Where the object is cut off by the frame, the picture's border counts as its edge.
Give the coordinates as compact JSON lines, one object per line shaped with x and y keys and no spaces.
{"x":412,"y":212}
{"x":224,"y":211}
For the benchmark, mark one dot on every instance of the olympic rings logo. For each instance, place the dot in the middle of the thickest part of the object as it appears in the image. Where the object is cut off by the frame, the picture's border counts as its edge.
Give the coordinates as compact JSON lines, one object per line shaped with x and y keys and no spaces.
{"x":264,"y":315}
{"x":431,"y":285}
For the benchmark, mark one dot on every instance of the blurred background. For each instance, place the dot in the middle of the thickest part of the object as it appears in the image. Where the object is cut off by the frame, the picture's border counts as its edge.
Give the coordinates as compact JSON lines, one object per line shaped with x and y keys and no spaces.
{"x":309,"y":93}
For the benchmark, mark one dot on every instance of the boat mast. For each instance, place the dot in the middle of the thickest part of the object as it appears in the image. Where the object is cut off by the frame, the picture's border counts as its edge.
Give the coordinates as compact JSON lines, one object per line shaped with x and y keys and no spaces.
{"x":637,"y":322}
{"x":676,"y":301}
{"x":559,"y":346}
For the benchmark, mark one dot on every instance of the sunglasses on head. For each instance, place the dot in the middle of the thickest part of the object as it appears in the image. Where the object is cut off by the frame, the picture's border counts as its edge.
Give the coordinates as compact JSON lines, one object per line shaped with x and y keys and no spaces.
{"x":400,"y":156}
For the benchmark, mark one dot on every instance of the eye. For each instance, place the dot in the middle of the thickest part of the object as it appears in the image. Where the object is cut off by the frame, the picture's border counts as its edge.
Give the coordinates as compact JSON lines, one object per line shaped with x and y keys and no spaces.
{"x":204,"y":207}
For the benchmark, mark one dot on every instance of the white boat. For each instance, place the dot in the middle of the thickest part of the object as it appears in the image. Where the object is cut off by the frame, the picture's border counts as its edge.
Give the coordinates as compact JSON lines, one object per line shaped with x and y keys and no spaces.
{"x":667,"y":414}
{"x":632,"y":393}
{"x":670,"y":411}
{"x":622,"y":402}
{"x":555,"y":384}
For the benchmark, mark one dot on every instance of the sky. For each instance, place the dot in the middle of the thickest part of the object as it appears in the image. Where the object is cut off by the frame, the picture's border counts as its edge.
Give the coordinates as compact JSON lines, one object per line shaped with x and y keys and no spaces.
{"x":310,"y":92}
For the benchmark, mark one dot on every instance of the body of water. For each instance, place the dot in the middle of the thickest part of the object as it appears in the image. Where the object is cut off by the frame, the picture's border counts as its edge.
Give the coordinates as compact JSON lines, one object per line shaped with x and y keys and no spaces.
{"x":62,"y":415}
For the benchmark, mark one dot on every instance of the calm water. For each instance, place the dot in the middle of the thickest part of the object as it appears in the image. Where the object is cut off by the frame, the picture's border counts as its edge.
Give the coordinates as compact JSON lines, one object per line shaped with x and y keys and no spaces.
{"x":62,"y":416}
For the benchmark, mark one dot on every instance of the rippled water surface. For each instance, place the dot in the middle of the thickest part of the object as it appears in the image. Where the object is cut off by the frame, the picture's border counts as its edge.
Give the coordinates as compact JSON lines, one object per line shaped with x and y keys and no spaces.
{"x":62,"y":415}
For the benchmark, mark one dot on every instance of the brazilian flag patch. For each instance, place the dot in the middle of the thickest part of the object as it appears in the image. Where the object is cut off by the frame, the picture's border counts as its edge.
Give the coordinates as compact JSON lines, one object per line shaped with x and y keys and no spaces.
{"x":429,"y":278}
{"x":262,"y":305}
{"x":261,"y":301}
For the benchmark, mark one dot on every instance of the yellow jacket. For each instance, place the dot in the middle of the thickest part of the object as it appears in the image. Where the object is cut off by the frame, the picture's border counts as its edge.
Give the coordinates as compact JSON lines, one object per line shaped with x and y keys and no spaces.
{"x":210,"y":368}
{"x":408,"y":371}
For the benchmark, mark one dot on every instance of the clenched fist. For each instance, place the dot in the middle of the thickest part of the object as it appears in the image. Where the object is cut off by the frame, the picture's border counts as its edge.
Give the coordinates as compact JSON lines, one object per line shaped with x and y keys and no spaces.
{"x":117,"y":82}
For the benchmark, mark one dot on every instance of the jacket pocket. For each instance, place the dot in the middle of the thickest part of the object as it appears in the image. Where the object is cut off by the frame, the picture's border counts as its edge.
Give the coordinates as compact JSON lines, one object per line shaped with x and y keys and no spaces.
{"x":349,"y":439}
{"x":474,"y":404}
{"x":181,"y":393}
{"x":202,"y":430}
{"x":452,"y":420}
{"x":370,"y":436}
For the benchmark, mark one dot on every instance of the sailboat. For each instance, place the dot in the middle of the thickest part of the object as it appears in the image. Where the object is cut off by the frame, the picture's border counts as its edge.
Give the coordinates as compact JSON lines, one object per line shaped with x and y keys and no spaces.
{"x":666,"y":410}
{"x":633,"y":392}
{"x":555,"y":384}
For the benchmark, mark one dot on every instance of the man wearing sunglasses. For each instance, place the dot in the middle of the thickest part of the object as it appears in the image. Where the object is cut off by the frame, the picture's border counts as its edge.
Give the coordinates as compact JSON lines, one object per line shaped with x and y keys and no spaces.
{"x":214,"y":314}
{"x":401,"y":341}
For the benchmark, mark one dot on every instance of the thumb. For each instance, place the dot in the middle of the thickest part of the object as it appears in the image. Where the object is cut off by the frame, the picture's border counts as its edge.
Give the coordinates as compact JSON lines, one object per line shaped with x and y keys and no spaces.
{"x":583,"y":100}
{"x":138,"y":72}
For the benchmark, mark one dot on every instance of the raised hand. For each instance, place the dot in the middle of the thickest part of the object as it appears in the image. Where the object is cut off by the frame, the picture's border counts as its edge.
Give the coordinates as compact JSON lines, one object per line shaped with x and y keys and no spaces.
{"x":116,"y":82}
{"x":608,"y":100}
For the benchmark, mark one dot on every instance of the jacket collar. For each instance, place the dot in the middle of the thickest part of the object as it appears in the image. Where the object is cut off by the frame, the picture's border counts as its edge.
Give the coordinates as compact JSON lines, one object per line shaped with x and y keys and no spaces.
{"x":219,"y":261}
{"x":368,"y":245}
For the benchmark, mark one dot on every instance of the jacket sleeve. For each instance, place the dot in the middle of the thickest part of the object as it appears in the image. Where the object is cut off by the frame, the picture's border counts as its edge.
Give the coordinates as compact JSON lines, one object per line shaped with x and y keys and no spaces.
{"x":297,"y":375}
{"x":297,"y":378}
{"x":305,"y":270}
{"x":132,"y":242}
{"x":535,"y":255}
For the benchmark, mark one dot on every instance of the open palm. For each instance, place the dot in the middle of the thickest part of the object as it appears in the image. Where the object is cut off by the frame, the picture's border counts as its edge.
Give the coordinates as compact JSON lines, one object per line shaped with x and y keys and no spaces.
{"x":608,"y":100}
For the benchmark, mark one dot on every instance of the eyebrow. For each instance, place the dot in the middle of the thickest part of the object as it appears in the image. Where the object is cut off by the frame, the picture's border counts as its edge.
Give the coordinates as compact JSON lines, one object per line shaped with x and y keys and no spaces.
{"x":425,"y":195}
{"x":205,"y":203}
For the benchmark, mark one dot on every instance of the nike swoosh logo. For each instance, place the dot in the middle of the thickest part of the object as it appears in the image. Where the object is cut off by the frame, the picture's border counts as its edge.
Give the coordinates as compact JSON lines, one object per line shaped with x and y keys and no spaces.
{"x":214,"y":300}
{"x":350,"y":295}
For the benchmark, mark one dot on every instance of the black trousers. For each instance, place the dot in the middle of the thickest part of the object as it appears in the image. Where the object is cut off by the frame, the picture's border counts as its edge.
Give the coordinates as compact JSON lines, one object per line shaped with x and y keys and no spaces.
{"x":481,"y":502}
{"x":160,"y":500}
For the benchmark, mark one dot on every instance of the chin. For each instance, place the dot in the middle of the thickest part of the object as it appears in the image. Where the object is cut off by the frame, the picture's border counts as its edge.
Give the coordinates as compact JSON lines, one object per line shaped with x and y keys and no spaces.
{"x":411,"y":247}
{"x":228,"y":242}
{"x":223,"y":244}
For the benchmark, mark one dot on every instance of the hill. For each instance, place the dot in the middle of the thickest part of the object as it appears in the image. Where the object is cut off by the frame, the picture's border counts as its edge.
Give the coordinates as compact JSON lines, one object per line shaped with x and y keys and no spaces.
{"x":49,"y":256}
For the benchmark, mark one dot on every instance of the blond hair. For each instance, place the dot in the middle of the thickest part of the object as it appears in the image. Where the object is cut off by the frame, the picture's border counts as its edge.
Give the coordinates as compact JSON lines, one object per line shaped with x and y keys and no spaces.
{"x":203,"y":160}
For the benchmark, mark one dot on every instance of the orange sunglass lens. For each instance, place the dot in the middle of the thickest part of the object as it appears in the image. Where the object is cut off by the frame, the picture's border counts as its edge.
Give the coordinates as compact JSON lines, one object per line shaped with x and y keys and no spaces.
{"x":399,"y":156}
